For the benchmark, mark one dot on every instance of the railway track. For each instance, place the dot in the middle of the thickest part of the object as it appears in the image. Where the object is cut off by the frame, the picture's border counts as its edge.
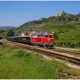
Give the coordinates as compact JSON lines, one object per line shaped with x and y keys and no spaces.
{"x":77,"y":54}
{"x":64,"y":55}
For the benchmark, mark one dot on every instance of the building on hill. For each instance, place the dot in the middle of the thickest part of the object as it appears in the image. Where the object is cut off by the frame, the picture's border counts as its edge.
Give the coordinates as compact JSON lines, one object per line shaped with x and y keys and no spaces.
{"x":61,"y":13}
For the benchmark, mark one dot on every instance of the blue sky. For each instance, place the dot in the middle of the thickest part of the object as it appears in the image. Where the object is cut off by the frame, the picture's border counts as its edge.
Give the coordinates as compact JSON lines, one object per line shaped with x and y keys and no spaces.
{"x":15,"y":13}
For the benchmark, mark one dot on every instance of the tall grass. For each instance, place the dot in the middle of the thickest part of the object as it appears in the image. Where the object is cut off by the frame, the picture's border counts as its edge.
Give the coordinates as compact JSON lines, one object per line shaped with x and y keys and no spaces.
{"x":17,"y":63}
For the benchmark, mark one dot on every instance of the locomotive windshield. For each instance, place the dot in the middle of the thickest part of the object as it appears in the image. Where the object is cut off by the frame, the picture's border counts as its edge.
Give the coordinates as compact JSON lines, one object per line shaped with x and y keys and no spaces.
{"x":51,"y":36}
{"x":48,"y":36}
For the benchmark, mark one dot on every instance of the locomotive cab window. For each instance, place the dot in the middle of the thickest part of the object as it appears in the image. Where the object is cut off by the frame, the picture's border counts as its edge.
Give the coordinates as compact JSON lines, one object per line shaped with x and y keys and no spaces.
{"x":46,"y":36}
{"x":51,"y":36}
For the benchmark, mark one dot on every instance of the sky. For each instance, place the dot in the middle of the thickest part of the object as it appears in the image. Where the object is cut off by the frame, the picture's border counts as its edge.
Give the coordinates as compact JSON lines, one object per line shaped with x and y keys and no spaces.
{"x":16,"y":13}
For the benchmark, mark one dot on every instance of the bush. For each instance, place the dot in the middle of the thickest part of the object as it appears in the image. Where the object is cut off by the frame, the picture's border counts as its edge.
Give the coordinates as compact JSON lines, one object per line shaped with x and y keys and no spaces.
{"x":0,"y":55}
{"x":68,"y":44}
{"x":22,"y":53}
{"x":1,"y":43}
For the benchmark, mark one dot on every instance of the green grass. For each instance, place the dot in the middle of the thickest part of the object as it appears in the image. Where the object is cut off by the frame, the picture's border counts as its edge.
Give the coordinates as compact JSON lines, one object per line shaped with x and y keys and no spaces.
{"x":18,"y":63}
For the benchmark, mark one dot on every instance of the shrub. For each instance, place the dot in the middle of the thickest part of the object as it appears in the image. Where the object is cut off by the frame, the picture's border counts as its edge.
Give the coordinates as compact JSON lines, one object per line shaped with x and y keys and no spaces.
{"x":0,"y":55}
{"x":70,"y":44}
{"x":22,"y":53}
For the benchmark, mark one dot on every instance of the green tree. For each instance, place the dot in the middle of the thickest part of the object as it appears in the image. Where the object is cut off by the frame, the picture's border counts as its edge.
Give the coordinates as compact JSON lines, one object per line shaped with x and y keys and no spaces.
{"x":10,"y":33}
{"x":56,"y":35}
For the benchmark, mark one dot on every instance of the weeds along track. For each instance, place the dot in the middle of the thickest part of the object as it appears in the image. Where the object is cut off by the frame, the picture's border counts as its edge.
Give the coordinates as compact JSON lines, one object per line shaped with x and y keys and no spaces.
{"x":52,"y":53}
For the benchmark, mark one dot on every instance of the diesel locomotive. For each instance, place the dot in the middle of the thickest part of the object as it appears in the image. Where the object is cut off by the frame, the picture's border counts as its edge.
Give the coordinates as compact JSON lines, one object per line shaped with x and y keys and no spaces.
{"x":36,"y":39}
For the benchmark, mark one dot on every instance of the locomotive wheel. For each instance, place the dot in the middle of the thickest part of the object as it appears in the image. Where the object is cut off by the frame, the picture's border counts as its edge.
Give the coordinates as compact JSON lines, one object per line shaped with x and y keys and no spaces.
{"x":44,"y":45}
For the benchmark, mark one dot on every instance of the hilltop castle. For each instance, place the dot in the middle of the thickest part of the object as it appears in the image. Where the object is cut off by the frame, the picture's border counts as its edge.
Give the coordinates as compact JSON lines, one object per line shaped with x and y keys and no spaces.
{"x":61,"y":13}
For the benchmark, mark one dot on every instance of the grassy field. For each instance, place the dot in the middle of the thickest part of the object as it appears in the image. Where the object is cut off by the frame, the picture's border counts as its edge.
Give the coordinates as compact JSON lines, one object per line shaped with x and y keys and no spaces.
{"x":18,"y":63}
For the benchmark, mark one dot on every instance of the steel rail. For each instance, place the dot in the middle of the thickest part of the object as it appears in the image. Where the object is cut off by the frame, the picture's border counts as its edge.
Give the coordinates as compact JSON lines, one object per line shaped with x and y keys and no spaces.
{"x":59,"y":55}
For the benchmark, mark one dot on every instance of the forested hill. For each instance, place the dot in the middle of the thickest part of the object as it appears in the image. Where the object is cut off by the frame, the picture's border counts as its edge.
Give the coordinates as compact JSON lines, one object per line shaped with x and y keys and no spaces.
{"x":62,"y":18}
{"x":66,"y":27}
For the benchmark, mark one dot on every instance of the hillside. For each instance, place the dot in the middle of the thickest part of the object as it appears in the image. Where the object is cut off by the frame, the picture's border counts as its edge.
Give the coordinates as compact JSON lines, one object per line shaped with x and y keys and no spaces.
{"x":66,"y":27}
{"x":62,"y":18}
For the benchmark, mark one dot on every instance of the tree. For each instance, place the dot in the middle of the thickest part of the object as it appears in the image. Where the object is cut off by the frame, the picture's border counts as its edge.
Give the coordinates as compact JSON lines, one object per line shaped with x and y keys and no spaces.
{"x":56,"y":35}
{"x":10,"y":33}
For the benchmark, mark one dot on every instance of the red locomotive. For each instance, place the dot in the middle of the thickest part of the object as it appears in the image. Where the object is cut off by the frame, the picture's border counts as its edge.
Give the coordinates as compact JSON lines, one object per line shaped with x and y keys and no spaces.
{"x":42,"y":39}
{"x":37,"y":39}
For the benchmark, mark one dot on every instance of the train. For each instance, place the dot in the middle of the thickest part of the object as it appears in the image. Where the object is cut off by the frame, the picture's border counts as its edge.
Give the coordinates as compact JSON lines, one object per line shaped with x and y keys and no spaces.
{"x":36,"y":39}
